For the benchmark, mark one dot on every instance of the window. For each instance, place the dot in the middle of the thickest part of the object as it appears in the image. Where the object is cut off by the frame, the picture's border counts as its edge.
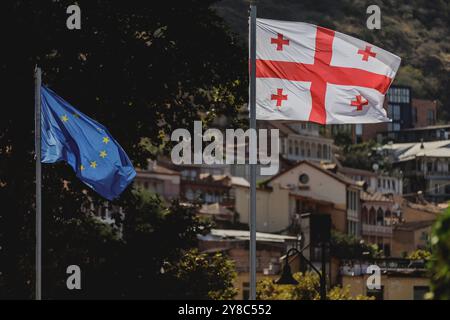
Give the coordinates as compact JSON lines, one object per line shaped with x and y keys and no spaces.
{"x":303,"y":178}
{"x":420,"y":291}
{"x":424,"y":236}
{"x":352,"y":228}
{"x":438,"y":188}
{"x":352,"y":200}
{"x":296,"y":148}
{"x":358,"y":129}
{"x":398,"y":95}
{"x":387,"y":249}
{"x":393,"y":185}
{"x":394,"y":111}
{"x":377,"y":293}
{"x":290,"y":146}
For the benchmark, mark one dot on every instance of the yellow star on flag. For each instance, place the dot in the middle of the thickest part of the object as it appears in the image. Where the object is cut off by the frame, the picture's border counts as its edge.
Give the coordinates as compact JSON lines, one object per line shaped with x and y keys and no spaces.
{"x":103,"y":154}
{"x":65,"y":118}
{"x":82,"y":168}
{"x":94,"y":164}
{"x":105,"y":140}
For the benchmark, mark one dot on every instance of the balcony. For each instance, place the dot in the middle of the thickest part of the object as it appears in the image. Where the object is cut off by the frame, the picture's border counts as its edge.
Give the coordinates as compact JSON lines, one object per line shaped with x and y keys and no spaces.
{"x":376,"y":230}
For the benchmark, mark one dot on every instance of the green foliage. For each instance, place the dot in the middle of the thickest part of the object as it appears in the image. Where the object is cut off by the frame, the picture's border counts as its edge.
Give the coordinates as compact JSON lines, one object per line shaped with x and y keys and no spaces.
{"x":339,"y":293}
{"x":344,"y":246}
{"x":128,"y":264}
{"x":212,"y":275}
{"x":142,"y":70}
{"x":306,"y":289}
{"x":440,"y":261}
{"x":362,"y":155}
{"x":420,"y":254}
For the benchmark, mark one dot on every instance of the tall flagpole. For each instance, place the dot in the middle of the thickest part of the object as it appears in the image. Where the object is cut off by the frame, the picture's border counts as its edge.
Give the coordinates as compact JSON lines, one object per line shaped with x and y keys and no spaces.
{"x":37,"y":143}
{"x":252,"y":250}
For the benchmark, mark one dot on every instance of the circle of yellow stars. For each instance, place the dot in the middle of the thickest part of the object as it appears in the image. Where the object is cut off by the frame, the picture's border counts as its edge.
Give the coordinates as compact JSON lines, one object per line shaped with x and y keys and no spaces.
{"x":103,"y":154}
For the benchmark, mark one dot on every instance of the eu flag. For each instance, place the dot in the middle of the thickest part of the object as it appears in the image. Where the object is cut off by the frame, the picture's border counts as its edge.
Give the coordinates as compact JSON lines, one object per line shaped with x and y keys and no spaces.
{"x":87,"y":146}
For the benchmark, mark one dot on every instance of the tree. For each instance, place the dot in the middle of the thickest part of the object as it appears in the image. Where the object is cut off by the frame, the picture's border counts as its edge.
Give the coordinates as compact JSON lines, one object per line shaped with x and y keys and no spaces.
{"x":306,"y":289}
{"x":415,"y":30}
{"x":440,"y":260}
{"x":213,"y":276}
{"x":130,"y":262}
{"x":140,"y":70}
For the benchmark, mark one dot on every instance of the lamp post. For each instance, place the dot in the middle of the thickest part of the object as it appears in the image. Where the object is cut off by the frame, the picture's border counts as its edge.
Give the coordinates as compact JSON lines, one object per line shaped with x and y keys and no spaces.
{"x":286,"y":274}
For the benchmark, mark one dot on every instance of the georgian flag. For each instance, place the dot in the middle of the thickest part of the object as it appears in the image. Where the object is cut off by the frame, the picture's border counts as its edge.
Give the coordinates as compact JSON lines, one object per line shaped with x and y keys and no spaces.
{"x":309,"y":73}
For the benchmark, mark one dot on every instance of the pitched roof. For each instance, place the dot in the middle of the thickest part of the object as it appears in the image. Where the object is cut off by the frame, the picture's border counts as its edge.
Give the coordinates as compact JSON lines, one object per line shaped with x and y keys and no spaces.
{"x":355,"y":171}
{"x":340,"y":177}
{"x":155,"y":167}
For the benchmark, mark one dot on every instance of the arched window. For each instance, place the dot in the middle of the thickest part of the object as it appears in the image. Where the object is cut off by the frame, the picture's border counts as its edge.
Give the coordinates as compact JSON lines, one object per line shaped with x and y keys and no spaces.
{"x":313,"y":150}
{"x":296,"y":148}
{"x":319,"y":151}
{"x":372,"y":216}
{"x":380,"y":217}
{"x":364,"y":215}
{"x":308,"y":150}
{"x":302,"y":148}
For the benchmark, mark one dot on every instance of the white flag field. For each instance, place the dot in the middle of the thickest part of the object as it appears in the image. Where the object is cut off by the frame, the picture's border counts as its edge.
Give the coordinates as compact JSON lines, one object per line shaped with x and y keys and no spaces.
{"x":309,"y":73}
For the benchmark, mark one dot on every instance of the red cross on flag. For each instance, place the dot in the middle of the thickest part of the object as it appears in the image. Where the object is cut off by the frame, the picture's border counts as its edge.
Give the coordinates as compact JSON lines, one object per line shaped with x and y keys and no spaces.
{"x":309,"y":73}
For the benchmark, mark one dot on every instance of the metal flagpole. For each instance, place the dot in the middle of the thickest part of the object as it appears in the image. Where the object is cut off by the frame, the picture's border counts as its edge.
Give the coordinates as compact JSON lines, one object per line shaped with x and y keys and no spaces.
{"x":252,"y":251}
{"x":37,"y":143}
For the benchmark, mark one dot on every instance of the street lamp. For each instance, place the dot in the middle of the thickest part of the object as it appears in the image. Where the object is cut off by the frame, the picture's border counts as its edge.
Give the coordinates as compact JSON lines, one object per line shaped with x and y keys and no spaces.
{"x":287,"y":278}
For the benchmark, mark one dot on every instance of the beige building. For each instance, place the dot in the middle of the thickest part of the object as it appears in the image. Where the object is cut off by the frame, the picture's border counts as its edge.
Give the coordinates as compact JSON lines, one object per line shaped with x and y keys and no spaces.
{"x":378,"y":215}
{"x":304,"y":188}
